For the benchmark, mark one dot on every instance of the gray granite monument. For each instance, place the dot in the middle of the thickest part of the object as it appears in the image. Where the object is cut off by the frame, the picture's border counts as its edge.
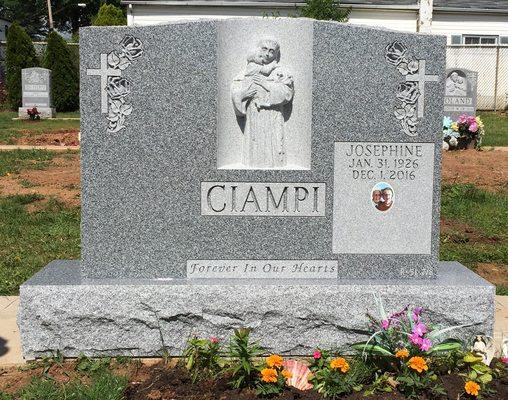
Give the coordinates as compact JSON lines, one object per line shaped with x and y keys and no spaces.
{"x":460,"y":92}
{"x":36,"y":92}
{"x":270,"y":173}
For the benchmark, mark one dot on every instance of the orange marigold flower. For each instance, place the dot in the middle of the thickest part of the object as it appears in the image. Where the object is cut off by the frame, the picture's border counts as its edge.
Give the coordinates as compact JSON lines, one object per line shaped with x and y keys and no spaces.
{"x":286,"y":374}
{"x":418,"y":364}
{"x":472,"y":388}
{"x":402,"y":353}
{"x":340,"y":363}
{"x":269,"y":375}
{"x":274,"y":361}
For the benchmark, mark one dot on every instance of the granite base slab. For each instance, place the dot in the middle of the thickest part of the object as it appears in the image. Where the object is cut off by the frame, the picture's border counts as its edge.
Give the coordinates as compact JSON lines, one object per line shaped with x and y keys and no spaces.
{"x":61,"y":311}
{"x":44,"y":112}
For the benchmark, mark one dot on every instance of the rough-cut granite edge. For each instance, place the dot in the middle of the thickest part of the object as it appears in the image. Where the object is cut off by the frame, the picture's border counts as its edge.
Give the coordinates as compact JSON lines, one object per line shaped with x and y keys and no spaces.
{"x":60,"y":311}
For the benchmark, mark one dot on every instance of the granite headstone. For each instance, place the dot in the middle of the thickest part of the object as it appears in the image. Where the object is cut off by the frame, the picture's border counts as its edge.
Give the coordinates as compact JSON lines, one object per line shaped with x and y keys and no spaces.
{"x":232,"y":165}
{"x":460,"y":92}
{"x":36,"y":92}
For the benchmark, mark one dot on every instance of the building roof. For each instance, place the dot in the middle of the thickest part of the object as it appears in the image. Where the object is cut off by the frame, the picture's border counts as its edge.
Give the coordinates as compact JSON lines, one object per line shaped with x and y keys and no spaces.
{"x":491,"y":5}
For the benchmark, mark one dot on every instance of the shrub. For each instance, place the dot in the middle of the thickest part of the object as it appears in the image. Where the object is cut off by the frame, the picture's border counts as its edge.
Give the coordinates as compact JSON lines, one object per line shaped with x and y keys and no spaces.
{"x":109,"y":15}
{"x":64,"y":78}
{"x":327,"y":10}
{"x":20,"y":53}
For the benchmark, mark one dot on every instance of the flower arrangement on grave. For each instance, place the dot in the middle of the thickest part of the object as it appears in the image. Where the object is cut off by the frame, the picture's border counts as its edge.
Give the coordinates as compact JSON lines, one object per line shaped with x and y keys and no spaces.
{"x":33,"y":114}
{"x":202,"y":358}
{"x":467,"y":131}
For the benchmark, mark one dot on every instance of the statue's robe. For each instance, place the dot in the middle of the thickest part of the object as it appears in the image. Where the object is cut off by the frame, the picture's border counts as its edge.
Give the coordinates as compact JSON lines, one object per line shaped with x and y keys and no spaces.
{"x":263,"y":144}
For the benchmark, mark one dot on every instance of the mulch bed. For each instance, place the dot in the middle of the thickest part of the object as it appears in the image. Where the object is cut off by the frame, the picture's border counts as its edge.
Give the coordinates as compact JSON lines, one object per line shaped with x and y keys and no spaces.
{"x":165,"y":383}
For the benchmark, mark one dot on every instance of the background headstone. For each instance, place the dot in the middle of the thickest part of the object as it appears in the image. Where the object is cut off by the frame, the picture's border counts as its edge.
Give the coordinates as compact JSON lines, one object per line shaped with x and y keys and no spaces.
{"x":460,"y":92}
{"x":36,"y":92}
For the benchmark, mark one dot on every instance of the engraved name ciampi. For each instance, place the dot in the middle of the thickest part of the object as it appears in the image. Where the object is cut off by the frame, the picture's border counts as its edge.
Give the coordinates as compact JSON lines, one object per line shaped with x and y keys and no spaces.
{"x":263,"y":199}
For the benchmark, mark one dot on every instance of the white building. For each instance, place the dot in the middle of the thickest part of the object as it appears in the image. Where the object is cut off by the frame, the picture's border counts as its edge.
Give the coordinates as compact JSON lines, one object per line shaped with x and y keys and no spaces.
{"x":463,"y":21}
{"x":477,"y":30}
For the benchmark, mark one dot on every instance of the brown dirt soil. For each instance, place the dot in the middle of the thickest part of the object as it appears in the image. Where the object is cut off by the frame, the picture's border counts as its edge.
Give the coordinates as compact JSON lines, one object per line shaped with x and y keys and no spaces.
{"x":494,"y":273}
{"x":486,"y":169}
{"x":159,"y":381}
{"x":60,"y":138}
{"x":460,"y":232}
{"x":61,"y":180}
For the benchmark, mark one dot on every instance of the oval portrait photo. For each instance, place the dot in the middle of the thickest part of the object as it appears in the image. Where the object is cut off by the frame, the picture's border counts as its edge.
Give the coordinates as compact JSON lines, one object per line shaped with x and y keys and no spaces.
{"x":382,"y":196}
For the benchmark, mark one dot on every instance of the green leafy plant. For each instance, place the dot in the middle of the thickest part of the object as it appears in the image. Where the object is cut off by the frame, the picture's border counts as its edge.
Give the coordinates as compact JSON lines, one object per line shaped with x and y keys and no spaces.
{"x":416,"y":379}
{"x":64,"y":77}
{"x":476,"y":371}
{"x":91,"y":365}
{"x":334,"y":377}
{"x":242,"y":353}
{"x":327,"y":10}
{"x":202,"y":358}
{"x":383,"y":383}
{"x":19,"y":54}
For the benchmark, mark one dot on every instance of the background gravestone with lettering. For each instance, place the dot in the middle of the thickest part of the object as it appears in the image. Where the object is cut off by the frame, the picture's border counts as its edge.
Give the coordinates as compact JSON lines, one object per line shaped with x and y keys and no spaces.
{"x":229,"y":170}
{"x":460,"y":92}
{"x":36,"y":92}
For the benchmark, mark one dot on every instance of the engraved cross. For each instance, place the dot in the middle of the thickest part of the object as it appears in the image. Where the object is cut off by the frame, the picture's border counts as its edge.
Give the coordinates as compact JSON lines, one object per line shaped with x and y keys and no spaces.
{"x":104,"y":72}
{"x":421,"y":78}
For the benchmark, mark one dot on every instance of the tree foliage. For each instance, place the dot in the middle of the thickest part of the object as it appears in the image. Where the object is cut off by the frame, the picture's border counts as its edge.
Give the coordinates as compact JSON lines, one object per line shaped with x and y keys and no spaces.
{"x":67,"y":15}
{"x":109,"y":15}
{"x":327,"y":10}
{"x":64,"y":74}
{"x":20,"y":53}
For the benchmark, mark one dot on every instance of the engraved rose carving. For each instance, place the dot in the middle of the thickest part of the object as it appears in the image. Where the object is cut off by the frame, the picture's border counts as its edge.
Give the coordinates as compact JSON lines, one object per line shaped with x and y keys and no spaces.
{"x":118,"y":87}
{"x":408,"y":92}
{"x":131,"y":47}
{"x":118,"y":61}
{"x":395,"y":53}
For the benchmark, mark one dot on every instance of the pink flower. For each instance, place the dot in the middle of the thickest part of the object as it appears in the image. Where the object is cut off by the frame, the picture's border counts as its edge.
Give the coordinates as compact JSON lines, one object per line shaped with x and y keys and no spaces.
{"x":425,"y":344}
{"x":504,"y":360}
{"x":213,"y":339}
{"x":420,"y":329}
{"x":462,"y":119}
{"x":317,"y":355}
{"x":473,"y":127}
{"x":416,"y":313}
{"x":415,"y":339}
{"x":385,"y":324}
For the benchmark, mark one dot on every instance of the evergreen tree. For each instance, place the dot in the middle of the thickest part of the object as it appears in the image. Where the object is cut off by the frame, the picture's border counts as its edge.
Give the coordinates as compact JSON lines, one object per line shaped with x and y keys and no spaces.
{"x":64,"y":74}
{"x":20,"y":53}
{"x":109,"y":15}
{"x":327,"y":10}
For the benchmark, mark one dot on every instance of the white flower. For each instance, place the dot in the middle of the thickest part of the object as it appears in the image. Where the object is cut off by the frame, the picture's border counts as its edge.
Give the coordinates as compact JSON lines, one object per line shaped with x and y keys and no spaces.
{"x":453,"y":141}
{"x":446,"y":147}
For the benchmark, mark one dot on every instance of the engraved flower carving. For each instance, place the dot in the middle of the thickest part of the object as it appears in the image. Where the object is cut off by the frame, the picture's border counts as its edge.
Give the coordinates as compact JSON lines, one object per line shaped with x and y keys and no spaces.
{"x":408,"y":92}
{"x":131,"y":47}
{"x":118,"y":61}
{"x":395,"y":53}
{"x":118,"y":110}
{"x":118,"y":87}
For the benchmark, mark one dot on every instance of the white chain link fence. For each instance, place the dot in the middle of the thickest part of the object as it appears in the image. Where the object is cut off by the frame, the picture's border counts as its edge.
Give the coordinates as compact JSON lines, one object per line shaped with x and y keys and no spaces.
{"x":491,"y":63}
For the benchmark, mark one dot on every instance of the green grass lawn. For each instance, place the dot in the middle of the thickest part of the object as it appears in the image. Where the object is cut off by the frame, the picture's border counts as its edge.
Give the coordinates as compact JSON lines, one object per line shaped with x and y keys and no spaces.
{"x":30,"y":240}
{"x":11,"y":129}
{"x":16,"y":160}
{"x":496,"y":128}
{"x":485,"y":213}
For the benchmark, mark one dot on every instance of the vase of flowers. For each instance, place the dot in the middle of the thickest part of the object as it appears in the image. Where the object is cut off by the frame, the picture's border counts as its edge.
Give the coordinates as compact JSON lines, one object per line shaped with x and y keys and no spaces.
{"x":465,"y":133}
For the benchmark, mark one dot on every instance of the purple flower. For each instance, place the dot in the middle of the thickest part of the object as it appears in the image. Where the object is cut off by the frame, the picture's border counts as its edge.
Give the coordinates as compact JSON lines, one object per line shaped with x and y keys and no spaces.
{"x":385,"y":324}
{"x":420,"y":329}
{"x":425,"y":344}
{"x":415,"y":339}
